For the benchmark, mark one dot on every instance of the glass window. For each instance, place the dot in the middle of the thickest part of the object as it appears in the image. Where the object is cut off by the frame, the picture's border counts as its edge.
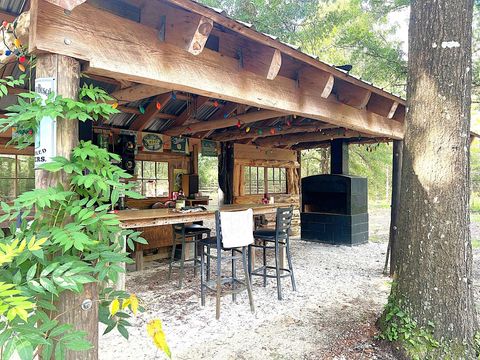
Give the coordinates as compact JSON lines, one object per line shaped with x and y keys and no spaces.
{"x":259,"y":180}
{"x":152,"y":178}
{"x":17,"y":175}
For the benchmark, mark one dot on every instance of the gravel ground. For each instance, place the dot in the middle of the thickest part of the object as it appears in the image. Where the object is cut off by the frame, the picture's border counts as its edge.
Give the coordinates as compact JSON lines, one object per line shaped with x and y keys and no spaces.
{"x":341,"y":292}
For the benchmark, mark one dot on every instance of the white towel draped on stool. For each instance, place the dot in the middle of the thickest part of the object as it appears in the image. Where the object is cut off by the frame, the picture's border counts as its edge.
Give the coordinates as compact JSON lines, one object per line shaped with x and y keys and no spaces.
{"x":237,"y":228}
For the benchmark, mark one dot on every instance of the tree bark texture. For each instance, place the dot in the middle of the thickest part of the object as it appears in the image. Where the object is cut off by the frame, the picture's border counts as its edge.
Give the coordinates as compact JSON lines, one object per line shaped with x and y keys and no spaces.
{"x":434,"y":267}
{"x":67,"y":72}
{"x":396,"y":181}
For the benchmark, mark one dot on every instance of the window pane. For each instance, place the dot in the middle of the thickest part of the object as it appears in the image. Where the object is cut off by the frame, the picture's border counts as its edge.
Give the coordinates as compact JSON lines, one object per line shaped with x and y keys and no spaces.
{"x":7,"y":189}
{"x":270,"y":173}
{"x":25,"y":185}
{"x":246,"y":178}
{"x":261,"y":181}
{"x":162,"y":188}
{"x":162,"y":170}
{"x":149,"y":169}
{"x":137,"y":186}
{"x":149,"y":187}
{"x":7,"y":166}
{"x":138,"y":169}
{"x":25,"y":166}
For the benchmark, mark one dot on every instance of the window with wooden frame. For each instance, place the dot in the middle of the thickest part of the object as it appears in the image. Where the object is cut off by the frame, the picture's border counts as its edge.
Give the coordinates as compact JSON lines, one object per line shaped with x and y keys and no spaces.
{"x":17,"y":175}
{"x":260,"y":180}
{"x":152,"y":178}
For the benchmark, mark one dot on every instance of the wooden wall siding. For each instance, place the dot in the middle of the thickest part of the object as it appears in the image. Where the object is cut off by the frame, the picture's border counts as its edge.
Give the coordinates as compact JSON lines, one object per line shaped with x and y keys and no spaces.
{"x":252,"y":152}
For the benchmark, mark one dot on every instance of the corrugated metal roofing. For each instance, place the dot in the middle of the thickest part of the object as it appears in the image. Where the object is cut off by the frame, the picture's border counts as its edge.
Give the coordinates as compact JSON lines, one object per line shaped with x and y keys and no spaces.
{"x":14,"y":7}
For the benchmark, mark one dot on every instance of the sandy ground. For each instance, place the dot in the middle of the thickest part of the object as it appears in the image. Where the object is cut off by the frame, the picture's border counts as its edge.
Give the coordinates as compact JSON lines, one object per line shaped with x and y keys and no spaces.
{"x":341,"y":292}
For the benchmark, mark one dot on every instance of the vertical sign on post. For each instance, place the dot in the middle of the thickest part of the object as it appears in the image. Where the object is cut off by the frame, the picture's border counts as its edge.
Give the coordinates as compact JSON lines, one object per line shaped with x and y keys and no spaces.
{"x":46,"y":136}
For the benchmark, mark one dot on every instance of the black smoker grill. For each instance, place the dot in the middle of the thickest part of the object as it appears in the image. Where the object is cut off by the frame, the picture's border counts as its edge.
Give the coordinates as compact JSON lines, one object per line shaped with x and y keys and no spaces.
{"x":334,"y":209}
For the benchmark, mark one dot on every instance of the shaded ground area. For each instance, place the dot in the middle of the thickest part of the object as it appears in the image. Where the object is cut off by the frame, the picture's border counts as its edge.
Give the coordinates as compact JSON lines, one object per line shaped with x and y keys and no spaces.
{"x":341,"y":292}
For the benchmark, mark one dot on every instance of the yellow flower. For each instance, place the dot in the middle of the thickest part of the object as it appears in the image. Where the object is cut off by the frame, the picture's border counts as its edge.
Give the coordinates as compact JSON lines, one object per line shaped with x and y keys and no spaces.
{"x":154,"y":329}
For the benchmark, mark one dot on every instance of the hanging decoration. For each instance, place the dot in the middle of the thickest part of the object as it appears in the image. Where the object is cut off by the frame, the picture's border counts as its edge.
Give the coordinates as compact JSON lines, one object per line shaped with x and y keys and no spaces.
{"x":239,"y":124}
{"x":260,"y":132}
{"x":174,"y":95}
{"x":247,"y":130}
{"x":141,"y":109}
{"x":272,"y":131}
{"x":115,"y":105}
{"x":215,"y":104}
{"x":16,"y":47}
{"x":158,"y":105}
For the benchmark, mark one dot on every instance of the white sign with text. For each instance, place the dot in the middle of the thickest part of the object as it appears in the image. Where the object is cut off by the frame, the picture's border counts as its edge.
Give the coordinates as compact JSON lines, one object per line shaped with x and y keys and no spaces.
{"x":46,"y":136}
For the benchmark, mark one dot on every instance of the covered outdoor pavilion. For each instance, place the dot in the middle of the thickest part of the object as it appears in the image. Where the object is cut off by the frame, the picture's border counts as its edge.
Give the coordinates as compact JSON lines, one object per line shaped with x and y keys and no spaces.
{"x":180,"y":70}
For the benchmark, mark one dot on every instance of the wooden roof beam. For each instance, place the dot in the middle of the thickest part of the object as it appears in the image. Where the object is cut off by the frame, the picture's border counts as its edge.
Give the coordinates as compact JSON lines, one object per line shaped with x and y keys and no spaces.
{"x":171,"y":67}
{"x":142,"y":121}
{"x":221,"y":122}
{"x":293,"y":139}
{"x":265,"y":132}
{"x":137,"y":92}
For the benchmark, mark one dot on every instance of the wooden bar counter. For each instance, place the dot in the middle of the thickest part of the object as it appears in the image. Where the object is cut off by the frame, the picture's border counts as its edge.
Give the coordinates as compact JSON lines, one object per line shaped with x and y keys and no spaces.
{"x":132,"y":219}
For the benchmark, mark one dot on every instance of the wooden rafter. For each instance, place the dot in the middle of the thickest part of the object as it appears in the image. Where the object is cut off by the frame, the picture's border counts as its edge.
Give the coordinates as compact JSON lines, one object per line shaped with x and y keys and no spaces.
{"x":137,"y":92}
{"x":220,"y":123}
{"x":292,"y":139}
{"x":318,"y":81}
{"x":144,"y":120}
{"x":261,"y":132}
{"x":352,"y":95}
{"x":227,"y":110}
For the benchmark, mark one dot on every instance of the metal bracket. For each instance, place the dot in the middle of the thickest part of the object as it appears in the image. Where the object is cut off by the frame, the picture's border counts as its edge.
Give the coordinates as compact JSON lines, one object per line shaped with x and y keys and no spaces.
{"x":162,"y":28}
{"x":240,"y":58}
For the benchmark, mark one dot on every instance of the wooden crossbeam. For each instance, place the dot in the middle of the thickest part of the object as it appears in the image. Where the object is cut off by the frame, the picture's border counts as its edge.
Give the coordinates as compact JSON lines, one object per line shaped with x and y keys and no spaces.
{"x":151,"y":112}
{"x":261,"y":60}
{"x":137,"y":92}
{"x":293,"y":139}
{"x":265,"y":132}
{"x":171,"y":67}
{"x":221,"y":122}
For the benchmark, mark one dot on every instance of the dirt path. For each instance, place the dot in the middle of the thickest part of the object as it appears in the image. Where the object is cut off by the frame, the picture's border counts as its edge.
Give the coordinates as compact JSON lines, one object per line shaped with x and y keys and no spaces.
{"x":341,"y":293}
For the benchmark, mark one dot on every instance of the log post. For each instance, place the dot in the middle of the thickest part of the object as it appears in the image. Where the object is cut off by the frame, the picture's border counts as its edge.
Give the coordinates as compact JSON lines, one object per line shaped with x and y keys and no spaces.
{"x":66,"y":71}
{"x":396,"y":178}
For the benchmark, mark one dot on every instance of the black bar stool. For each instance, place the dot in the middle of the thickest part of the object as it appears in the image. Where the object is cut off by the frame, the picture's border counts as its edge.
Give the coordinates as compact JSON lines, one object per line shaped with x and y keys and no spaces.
{"x":274,"y":239}
{"x":183,"y":235}
{"x":227,"y":252}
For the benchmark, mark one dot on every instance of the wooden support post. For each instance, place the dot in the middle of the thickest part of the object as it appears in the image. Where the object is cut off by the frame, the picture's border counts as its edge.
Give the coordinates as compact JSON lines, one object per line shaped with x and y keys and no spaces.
{"x":396,"y":179}
{"x":66,"y":71}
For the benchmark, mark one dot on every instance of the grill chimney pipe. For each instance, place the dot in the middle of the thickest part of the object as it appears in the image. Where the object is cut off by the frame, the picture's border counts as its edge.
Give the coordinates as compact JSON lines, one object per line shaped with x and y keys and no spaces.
{"x":339,"y":157}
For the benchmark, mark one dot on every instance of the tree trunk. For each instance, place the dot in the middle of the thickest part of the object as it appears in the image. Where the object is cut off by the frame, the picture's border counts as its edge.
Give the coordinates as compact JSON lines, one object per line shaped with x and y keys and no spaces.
{"x":67,"y":73}
{"x":434,"y":267}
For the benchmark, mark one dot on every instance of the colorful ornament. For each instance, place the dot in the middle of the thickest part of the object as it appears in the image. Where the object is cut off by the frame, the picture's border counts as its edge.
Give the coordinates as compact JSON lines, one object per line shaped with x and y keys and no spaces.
{"x":21,"y":67}
{"x":115,"y":105}
{"x":174,"y":95}
{"x":289,"y":123}
{"x":272,"y":131}
{"x":141,"y":109}
{"x":239,"y":124}
{"x":260,"y":131}
{"x":247,"y":130}
{"x":225,"y":115}
{"x":215,"y":103}
{"x":8,"y":52}
{"x":17,"y":43}
{"x":21,"y":59}
{"x":5,"y":23}
{"x":159,"y":106}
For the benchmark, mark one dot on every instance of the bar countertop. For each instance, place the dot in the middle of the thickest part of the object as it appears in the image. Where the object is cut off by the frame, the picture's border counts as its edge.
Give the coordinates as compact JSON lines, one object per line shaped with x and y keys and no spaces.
{"x":156,"y":217}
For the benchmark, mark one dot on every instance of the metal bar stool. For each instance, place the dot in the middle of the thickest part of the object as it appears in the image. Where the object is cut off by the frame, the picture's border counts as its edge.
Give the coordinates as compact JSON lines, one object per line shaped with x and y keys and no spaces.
{"x":231,"y":244}
{"x":183,"y":235}
{"x":274,"y":239}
